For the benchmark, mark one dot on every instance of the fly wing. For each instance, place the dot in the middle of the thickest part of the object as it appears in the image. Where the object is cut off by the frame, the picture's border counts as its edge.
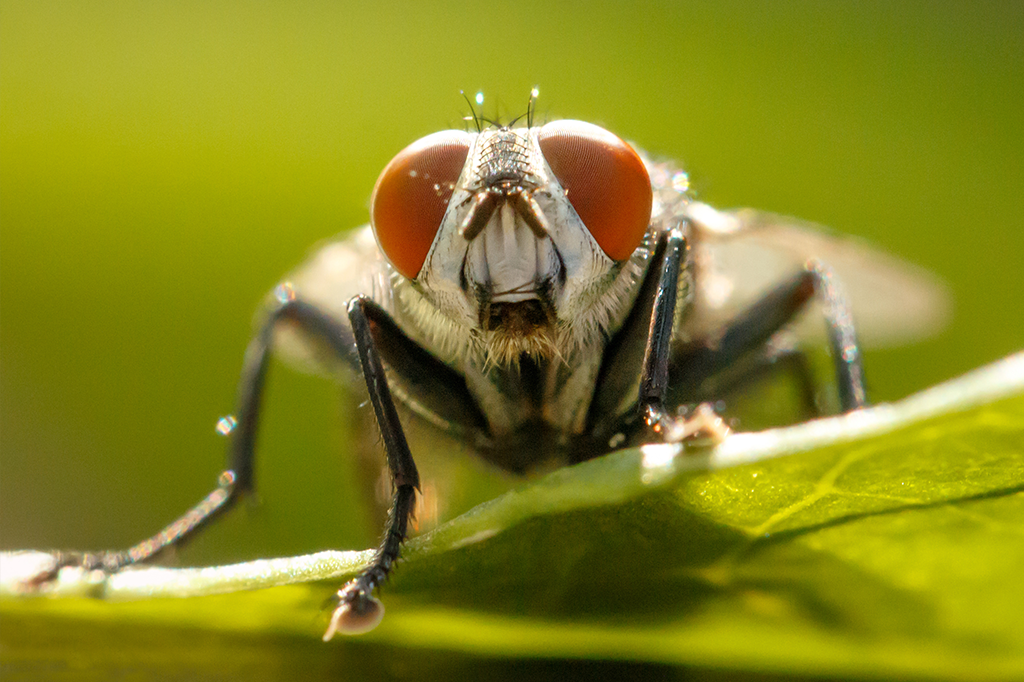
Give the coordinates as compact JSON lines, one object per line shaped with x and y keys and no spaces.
{"x":336,"y":272}
{"x":343,"y":268}
{"x":741,"y":254}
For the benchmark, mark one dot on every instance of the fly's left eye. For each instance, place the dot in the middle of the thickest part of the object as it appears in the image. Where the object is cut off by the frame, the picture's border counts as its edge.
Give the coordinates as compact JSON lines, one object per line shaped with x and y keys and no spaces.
{"x":412,"y":194}
{"x":605,"y":181}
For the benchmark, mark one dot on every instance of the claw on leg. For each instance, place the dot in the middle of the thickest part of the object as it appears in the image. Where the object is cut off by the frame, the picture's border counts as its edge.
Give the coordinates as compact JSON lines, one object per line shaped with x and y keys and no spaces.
{"x":357,"y":611}
{"x":703,"y":426}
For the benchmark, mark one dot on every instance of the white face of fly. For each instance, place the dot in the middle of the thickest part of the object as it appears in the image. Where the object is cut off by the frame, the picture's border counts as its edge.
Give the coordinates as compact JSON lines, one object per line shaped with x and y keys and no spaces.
{"x":534,"y":237}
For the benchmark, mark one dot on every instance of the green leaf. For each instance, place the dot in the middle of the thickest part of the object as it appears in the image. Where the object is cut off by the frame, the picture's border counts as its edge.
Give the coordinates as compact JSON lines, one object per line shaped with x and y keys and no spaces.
{"x":884,"y":543}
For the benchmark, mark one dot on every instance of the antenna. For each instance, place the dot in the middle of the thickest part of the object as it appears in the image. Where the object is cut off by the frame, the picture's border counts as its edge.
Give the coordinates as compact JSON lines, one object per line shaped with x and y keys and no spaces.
{"x":479,"y":100}
{"x":531,"y":106}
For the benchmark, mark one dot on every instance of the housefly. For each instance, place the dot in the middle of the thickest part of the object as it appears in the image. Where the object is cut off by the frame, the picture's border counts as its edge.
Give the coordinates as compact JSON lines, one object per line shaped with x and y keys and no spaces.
{"x":547,"y":293}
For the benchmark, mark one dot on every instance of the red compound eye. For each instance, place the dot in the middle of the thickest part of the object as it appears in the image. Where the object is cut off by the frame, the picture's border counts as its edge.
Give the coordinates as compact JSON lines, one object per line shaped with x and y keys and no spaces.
{"x":412,"y":194}
{"x":605,"y":181}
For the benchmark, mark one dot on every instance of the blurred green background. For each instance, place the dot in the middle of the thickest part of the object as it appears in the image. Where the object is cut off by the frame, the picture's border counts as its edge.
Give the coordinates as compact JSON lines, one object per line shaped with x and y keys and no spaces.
{"x":162,"y":164}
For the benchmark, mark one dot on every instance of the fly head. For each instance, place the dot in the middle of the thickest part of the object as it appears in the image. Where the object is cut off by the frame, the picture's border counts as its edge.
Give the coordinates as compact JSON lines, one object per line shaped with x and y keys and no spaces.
{"x":519,"y":240}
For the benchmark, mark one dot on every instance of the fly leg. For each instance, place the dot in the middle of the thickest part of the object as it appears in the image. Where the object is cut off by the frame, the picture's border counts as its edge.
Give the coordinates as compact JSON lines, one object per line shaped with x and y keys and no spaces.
{"x":752,"y":328}
{"x":654,"y":374}
{"x":357,"y":610}
{"x":749,"y":331}
{"x":644,"y":345}
{"x":238,"y":479}
{"x":436,"y":389}
{"x":371,"y":337}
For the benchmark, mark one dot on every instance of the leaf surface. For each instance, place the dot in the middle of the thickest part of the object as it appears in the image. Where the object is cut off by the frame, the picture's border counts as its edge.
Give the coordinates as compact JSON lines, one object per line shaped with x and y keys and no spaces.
{"x":885,"y":543}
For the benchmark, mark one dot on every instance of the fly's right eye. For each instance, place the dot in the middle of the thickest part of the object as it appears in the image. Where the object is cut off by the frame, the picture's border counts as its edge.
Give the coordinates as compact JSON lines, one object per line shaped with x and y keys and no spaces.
{"x":412,"y":194}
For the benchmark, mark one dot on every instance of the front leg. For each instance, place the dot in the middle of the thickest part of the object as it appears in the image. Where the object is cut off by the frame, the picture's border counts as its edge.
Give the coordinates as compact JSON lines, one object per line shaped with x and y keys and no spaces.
{"x":357,"y":610}
{"x":645,"y":339}
{"x":654,"y":370}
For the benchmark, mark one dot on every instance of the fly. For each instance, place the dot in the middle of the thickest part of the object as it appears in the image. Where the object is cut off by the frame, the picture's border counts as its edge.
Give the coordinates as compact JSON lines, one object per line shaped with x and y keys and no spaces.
{"x":548,"y":293}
